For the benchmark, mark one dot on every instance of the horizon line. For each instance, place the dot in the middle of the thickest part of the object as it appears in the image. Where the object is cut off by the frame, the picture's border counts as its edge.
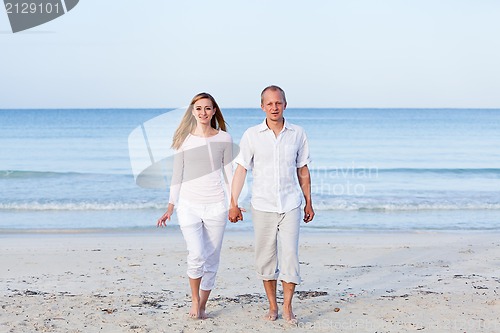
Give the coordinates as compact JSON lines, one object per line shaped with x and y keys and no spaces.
{"x":258,"y":108}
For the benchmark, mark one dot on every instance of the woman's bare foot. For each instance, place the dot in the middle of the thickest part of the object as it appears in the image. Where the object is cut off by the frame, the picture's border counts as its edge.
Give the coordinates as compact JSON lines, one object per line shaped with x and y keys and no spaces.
{"x":203,"y":314}
{"x":195,"y":310}
{"x":203,"y":303}
{"x":272,"y":315}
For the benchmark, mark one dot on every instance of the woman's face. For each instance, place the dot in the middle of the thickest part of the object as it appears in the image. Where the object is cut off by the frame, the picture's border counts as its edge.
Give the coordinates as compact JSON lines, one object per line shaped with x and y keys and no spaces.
{"x":203,"y":111}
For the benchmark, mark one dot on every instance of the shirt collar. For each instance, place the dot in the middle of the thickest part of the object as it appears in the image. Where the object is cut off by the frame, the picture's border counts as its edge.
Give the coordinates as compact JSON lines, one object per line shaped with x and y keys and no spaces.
{"x":263,"y":126}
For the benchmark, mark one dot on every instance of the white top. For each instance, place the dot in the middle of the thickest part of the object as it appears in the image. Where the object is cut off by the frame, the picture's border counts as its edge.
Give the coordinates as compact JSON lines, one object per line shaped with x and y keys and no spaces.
{"x":274,"y":162}
{"x":198,"y":176}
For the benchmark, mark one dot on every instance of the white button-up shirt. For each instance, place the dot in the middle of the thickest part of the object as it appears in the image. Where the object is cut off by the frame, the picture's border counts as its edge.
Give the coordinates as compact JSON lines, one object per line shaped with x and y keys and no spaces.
{"x":274,"y":162}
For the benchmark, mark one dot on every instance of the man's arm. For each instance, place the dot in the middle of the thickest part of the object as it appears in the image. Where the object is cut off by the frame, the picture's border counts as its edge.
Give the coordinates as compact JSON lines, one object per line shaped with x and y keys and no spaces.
{"x":305,"y":184}
{"x":239,"y":176}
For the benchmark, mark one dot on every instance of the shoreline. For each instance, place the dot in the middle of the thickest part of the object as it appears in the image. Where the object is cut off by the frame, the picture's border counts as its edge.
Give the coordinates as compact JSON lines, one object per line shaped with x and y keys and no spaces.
{"x":230,"y":229}
{"x":325,"y":221}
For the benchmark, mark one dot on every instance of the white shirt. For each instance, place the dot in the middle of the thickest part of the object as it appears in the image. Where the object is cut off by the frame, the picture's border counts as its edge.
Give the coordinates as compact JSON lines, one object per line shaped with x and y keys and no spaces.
{"x":197,"y":174}
{"x":274,"y":162}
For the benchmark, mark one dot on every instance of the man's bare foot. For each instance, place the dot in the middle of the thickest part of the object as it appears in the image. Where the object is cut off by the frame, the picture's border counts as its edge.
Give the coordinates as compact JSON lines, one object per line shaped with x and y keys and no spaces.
{"x":290,"y":317}
{"x":272,"y":315}
{"x":195,"y":311}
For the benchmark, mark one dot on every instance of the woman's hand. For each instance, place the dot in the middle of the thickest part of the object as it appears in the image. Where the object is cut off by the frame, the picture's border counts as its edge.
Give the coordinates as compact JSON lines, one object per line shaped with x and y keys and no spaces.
{"x":162,"y":221}
{"x":235,"y":214}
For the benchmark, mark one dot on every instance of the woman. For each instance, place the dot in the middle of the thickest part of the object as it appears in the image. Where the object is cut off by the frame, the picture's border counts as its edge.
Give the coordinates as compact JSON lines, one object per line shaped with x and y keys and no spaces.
{"x":202,"y":173}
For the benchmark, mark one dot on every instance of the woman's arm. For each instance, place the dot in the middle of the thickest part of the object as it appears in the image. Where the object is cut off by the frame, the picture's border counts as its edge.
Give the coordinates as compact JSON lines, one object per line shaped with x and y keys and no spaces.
{"x":227,"y":163}
{"x":175,"y":187}
{"x":235,"y":212}
{"x":177,"y":172}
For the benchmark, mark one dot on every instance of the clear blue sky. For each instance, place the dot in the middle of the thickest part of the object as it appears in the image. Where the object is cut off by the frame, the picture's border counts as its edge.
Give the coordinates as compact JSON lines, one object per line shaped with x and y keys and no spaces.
{"x":350,"y":53}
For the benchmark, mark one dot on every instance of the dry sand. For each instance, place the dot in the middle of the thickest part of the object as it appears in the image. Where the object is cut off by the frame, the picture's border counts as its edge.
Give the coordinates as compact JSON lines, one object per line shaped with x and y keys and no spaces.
{"x":353,"y":282}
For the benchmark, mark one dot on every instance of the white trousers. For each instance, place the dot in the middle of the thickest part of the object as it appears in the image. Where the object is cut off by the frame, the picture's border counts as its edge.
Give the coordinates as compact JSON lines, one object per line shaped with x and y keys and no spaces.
{"x":203,"y":229}
{"x":271,"y":229}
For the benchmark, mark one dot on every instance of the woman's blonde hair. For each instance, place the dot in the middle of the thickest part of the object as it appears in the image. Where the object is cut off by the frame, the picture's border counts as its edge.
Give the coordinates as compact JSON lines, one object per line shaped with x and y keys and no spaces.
{"x":188,"y":122}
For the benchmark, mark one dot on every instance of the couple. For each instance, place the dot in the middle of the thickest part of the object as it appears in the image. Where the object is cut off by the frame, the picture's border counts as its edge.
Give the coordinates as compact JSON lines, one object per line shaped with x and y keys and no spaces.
{"x":278,"y":154}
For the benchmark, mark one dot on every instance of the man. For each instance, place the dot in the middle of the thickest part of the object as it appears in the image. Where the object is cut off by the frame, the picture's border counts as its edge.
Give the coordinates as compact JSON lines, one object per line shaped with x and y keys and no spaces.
{"x":278,"y":154}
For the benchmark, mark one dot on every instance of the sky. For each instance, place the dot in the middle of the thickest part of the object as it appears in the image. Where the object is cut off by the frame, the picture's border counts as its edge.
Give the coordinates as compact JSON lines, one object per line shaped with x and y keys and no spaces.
{"x":335,"y":53}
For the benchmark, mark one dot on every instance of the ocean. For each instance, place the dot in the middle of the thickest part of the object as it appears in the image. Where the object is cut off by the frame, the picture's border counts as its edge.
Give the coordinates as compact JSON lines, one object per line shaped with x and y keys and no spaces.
{"x":372,"y":169}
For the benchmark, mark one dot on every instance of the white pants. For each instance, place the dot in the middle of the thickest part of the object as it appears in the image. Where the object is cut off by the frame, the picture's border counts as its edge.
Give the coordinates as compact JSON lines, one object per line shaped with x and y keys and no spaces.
{"x":203,"y":229}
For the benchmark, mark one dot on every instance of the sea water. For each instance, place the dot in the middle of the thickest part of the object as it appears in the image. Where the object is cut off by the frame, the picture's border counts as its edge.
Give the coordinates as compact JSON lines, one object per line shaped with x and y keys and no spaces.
{"x":372,"y":169}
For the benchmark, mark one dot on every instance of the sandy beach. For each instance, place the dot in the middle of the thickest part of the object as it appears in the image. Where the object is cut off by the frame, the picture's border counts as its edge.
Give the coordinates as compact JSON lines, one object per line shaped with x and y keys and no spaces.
{"x":353,"y":282}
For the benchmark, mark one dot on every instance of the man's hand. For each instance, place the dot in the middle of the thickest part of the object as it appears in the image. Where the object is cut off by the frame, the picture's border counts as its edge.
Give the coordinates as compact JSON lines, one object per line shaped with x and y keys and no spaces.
{"x":308,"y":213}
{"x":235,"y":214}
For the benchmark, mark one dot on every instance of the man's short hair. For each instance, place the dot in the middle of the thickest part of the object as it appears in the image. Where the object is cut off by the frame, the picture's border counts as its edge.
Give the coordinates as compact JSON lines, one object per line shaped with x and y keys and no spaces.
{"x":272,"y":88}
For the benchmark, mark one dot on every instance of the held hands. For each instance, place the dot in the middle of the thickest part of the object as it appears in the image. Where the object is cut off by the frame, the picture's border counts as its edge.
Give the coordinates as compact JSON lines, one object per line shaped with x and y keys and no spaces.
{"x":162,"y":221}
{"x":308,"y":213}
{"x":236,"y":214}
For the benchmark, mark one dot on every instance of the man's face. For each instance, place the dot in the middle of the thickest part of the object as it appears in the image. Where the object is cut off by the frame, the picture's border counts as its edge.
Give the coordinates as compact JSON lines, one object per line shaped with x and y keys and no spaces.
{"x":273,"y":105}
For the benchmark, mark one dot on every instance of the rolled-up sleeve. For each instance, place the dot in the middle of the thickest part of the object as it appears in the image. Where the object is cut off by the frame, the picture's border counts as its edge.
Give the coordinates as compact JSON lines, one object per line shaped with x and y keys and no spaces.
{"x":245,"y":156}
{"x":303,"y":157}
